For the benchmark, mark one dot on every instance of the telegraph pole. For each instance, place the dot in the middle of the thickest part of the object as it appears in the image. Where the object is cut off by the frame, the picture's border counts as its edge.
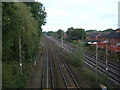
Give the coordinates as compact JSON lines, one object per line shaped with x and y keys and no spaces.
{"x":20,"y":53}
{"x":96,"y":61}
{"x":106,"y":57}
{"x":83,"y":37}
{"x":62,"y":40}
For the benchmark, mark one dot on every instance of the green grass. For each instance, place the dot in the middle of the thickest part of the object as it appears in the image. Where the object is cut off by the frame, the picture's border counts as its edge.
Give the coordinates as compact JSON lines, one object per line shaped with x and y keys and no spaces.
{"x":87,"y":73}
{"x":75,"y":58}
{"x":102,"y":53}
{"x":90,"y":74}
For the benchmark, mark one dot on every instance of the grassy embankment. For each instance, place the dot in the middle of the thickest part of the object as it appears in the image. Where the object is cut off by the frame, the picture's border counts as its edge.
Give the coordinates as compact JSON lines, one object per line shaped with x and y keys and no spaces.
{"x":102,"y":53}
{"x":86,"y":74}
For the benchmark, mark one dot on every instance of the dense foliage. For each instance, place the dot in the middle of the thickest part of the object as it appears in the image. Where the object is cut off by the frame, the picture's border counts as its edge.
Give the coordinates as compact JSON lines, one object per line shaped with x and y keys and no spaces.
{"x":95,"y":31}
{"x":76,"y":34}
{"x":60,"y":33}
{"x":18,"y":22}
{"x":21,"y":21}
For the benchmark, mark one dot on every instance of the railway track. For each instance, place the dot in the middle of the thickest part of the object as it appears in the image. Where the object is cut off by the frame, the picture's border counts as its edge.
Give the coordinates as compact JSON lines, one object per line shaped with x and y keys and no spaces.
{"x":70,"y":73}
{"x":64,"y":68}
{"x":66,"y":74}
{"x":102,"y":69}
{"x":113,"y":69}
{"x":59,"y":82}
{"x":115,"y":66}
{"x":52,"y":75}
{"x":47,"y":76}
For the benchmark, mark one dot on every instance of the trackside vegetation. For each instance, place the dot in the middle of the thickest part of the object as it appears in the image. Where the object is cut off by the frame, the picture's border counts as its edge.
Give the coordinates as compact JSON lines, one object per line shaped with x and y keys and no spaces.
{"x":21,"y":29}
{"x":86,"y":75}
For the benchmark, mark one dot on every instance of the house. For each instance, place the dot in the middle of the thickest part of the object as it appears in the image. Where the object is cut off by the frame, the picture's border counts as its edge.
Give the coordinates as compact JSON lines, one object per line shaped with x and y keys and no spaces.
{"x":113,"y":39}
{"x":92,"y":36}
{"x":113,"y":36}
{"x":103,"y":36}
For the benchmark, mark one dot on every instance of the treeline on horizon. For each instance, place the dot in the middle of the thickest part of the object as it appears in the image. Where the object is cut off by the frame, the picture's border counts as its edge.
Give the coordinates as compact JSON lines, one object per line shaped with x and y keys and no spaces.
{"x":21,"y":25}
{"x":75,"y":33}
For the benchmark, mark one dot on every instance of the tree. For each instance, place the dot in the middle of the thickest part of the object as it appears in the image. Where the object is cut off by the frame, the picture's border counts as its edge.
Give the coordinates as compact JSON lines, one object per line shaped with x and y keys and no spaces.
{"x":76,"y":34}
{"x":91,"y":31}
{"x":10,"y":28}
{"x":38,"y":11}
{"x":108,"y":30}
{"x":60,"y":33}
{"x":19,"y":23}
{"x":18,"y":20}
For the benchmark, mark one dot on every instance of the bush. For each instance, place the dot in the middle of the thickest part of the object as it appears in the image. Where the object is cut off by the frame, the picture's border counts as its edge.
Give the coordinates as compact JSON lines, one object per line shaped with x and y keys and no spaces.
{"x":12,"y":77}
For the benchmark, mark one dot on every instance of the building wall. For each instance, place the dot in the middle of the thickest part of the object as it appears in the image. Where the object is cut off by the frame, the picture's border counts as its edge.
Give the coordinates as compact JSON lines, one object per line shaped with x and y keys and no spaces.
{"x":114,"y":40}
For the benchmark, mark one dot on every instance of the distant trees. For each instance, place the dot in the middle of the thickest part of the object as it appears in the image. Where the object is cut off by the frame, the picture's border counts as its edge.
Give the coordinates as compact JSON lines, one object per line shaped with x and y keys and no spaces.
{"x":51,"y":33}
{"x":95,"y":31}
{"x":60,"y":33}
{"x":76,"y":34}
{"x":91,"y":31}
{"x":57,"y":34}
{"x":108,"y":30}
{"x":72,"y":34}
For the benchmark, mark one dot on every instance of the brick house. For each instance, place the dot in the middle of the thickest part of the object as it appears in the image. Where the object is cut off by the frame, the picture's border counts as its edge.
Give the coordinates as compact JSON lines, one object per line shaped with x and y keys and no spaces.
{"x":112,"y":37}
{"x":93,"y":36}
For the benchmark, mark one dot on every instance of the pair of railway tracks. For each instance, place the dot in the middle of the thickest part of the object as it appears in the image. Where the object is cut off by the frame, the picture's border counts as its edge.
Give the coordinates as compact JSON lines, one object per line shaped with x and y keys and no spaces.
{"x":44,"y":77}
{"x":64,"y":68}
{"x":112,"y":70}
{"x":48,"y":79}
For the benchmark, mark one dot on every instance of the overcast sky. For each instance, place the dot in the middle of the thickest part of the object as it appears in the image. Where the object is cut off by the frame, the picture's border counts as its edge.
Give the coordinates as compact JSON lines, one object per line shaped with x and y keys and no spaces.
{"x":87,"y":14}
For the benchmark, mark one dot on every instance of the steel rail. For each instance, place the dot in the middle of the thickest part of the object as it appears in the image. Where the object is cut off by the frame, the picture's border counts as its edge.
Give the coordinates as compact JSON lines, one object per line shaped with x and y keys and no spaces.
{"x":51,"y":68}
{"x":103,"y":71}
{"x":73,"y":78}
{"x":42,"y":77}
{"x":68,"y":70}
{"x":110,"y":66}
{"x":60,"y":68}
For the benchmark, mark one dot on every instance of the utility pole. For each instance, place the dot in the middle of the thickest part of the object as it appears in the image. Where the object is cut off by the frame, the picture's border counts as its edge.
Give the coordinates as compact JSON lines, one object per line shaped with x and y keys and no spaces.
{"x":96,"y":61}
{"x":82,"y":37}
{"x":20,"y":53}
{"x":62,"y":40}
{"x":106,"y":57}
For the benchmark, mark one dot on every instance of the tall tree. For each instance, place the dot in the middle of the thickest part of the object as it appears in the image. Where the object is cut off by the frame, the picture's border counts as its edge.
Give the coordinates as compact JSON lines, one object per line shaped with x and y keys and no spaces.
{"x":77,"y":33}
{"x":38,"y":11}
{"x":60,"y":33}
{"x":19,"y":25}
